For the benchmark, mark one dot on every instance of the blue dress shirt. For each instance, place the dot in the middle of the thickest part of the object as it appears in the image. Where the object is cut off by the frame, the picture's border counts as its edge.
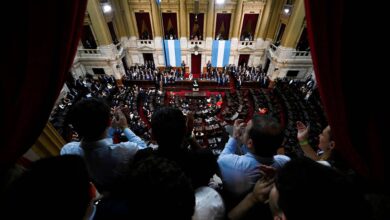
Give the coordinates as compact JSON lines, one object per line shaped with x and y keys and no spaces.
{"x":241,"y":170}
{"x":106,"y":160}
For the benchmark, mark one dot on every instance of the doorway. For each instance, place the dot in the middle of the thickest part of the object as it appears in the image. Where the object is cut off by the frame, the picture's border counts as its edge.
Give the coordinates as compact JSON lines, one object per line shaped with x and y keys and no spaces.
{"x":266,"y":66}
{"x":243,"y":59}
{"x":195,"y":65}
{"x":87,"y":38}
{"x":148,"y":58}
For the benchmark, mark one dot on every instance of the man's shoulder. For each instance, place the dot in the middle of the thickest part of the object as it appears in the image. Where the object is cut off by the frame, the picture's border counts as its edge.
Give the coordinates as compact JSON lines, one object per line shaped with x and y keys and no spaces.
{"x":233,"y":160}
{"x":71,"y":148}
{"x":281,"y":158}
{"x":129,"y":146}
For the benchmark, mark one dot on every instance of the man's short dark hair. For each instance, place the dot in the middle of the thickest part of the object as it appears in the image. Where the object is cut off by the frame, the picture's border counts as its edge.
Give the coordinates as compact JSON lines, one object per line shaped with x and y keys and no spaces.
{"x":310,"y":190}
{"x":163,"y":188}
{"x":168,"y":128}
{"x":90,"y":117}
{"x":53,"y":188}
{"x":266,"y":134}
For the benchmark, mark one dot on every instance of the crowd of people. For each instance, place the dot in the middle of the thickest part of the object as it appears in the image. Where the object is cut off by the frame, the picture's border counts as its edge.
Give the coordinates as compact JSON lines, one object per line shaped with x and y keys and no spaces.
{"x":174,"y":180}
{"x":135,"y":148}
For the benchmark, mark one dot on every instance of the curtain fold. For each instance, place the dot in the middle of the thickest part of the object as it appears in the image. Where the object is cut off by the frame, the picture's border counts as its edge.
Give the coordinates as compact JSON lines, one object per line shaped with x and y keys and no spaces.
{"x":195,"y":65}
{"x":170,"y":25}
{"x":144,"y":25}
{"x":40,"y":44}
{"x":196,"y":28}
{"x":357,"y":123}
{"x":222,"y":26}
{"x":249,"y":25}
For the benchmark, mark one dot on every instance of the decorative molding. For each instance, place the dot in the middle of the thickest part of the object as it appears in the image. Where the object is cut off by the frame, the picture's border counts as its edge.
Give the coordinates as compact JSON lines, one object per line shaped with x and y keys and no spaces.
{"x":49,"y":143}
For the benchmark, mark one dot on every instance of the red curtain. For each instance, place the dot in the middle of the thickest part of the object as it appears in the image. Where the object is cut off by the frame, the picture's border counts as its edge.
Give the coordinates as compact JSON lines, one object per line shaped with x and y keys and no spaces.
{"x":249,"y":25}
{"x":195,"y":65}
{"x":144,"y":25}
{"x":199,"y":28}
{"x":358,"y":122}
{"x":170,"y":24}
{"x":222,"y":25}
{"x":40,"y":43}
{"x":243,"y":58}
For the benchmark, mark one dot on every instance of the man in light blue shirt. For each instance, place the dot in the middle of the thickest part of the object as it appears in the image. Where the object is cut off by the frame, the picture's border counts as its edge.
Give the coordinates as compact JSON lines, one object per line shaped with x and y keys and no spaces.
{"x":105,"y":160}
{"x":240,"y":164}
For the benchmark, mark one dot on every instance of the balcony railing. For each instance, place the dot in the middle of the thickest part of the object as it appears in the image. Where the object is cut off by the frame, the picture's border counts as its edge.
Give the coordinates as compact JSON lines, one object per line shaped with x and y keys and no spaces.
{"x":246,"y":44}
{"x":89,"y":52}
{"x":196,"y":43}
{"x":145,"y":43}
{"x":300,"y":54}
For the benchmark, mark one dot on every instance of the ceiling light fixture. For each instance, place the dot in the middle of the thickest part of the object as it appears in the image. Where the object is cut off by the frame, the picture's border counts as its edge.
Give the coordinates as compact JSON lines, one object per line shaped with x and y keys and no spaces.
{"x":287,"y":9}
{"x":107,"y":8}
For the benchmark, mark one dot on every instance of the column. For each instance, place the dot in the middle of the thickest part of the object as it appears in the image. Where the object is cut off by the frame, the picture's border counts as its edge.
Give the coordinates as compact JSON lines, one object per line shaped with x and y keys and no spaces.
{"x":157,"y":20}
{"x":129,"y":21}
{"x":292,"y":32}
{"x":49,"y":143}
{"x":183,"y":19}
{"x":237,"y":20}
{"x":210,"y":19}
{"x":118,"y":19}
{"x":275,"y":16}
{"x":265,"y":19}
{"x":99,"y":24}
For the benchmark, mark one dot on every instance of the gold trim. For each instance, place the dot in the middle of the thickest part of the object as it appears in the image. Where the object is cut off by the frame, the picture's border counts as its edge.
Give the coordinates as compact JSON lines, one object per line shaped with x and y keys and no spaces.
{"x":49,"y":143}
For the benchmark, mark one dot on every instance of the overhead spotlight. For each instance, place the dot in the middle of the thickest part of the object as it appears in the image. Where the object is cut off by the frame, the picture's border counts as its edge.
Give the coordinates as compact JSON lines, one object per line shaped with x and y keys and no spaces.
{"x":107,"y":8}
{"x":220,"y":1}
{"x":287,"y":9}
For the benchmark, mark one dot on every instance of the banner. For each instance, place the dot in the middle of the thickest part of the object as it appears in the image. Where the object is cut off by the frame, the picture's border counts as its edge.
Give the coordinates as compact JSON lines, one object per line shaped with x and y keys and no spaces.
{"x":172,"y":53}
{"x":220,"y":53}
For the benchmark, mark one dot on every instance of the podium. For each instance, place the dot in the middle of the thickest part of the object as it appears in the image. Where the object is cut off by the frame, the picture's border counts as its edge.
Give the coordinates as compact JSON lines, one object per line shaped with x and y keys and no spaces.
{"x":195,"y":86}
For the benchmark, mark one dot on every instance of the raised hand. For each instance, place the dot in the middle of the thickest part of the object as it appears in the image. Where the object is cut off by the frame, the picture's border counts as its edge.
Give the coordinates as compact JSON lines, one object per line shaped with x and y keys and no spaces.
{"x":262,"y":189}
{"x":190,"y":123}
{"x":119,"y":119}
{"x":303,"y":131}
{"x":268,"y":171}
{"x":238,"y":128}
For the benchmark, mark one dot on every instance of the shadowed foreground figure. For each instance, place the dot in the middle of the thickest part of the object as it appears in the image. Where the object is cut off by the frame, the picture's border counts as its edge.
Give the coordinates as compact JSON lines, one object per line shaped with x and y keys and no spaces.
{"x":304,"y":189}
{"x":53,"y":188}
{"x":159,"y":189}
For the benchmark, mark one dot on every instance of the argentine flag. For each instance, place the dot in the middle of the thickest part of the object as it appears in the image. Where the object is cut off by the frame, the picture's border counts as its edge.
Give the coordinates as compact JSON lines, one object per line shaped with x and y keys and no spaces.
{"x":172,"y":52}
{"x":220,"y":53}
